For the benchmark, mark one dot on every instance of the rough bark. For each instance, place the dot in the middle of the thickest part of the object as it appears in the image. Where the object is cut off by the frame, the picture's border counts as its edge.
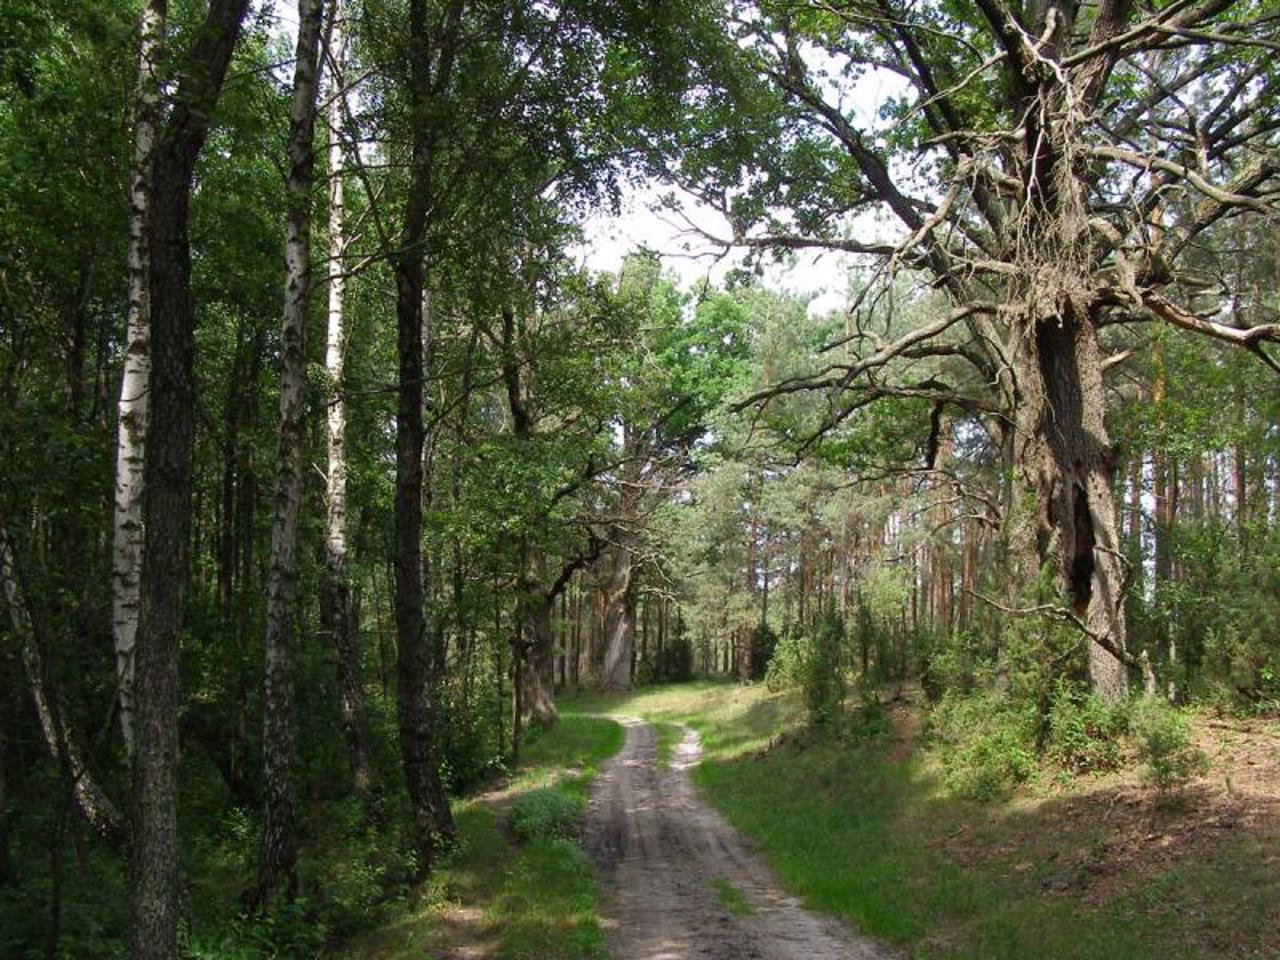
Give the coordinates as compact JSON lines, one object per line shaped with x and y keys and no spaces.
{"x":537,"y":705}
{"x":131,"y":428}
{"x":153,"y":862}
{"x":1064,"y":455}
{"x":279,"y":853}
{"x":335,"y":596}
{"x":419,"y":663}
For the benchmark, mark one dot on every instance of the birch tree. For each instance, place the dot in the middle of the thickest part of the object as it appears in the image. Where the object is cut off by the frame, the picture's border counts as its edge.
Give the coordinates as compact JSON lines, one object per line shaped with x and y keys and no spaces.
{"x":131,"y":430}
{"x":336,"y":612}
{"x":279,"y":829}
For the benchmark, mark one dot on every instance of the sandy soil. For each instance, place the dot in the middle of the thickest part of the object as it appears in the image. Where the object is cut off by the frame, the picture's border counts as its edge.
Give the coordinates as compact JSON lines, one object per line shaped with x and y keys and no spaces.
{"x":661,"y":852}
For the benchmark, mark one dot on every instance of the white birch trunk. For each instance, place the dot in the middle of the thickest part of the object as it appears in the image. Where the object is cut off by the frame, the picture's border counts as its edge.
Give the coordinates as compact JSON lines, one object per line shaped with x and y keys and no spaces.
{"x":336,"y":607}
{"x":279,"y":841}
{"x":131,"y":429}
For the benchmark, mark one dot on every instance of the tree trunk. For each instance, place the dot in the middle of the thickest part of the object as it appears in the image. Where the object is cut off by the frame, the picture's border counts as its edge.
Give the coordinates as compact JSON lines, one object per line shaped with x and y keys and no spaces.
{"x":619,"y":619}
{"x":419,"y":665}
{"x":279,"y":854}
{"x":537,"y":674}
{"x":153,"y":861}
{"x":131,"y":427}
{"x":95,"y":806}
{"x":1064,"y":456}
{"x":335,"y":592}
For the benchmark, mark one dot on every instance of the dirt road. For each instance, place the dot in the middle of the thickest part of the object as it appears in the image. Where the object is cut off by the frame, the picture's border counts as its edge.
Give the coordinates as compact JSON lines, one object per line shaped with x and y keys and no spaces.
{"x":665,"y":860}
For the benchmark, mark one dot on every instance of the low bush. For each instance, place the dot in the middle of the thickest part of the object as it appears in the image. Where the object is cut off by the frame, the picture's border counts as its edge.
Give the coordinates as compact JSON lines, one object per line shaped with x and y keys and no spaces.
{"x":546,"y":814}
{"x":986,"y":744}
{"x":1084,"y":734}
{"x":1163,"y":740}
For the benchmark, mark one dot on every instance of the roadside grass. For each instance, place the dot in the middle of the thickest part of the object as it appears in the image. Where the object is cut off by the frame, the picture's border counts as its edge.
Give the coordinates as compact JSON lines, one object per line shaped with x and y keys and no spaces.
{"x":529,"y":901}
{"x":1099,"y":869}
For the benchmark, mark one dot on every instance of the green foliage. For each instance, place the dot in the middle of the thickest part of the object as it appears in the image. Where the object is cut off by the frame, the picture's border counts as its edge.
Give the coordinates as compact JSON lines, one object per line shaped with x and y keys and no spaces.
{"x":546,"y":814}
{"x":986,"y":744}
{"x":1163,"y":738}
{"x":672,"y":664}
{"x":1085,"y":735}
{"x":787,"y":665}
{"x":824,"y":677}
{"x":763,"y":643}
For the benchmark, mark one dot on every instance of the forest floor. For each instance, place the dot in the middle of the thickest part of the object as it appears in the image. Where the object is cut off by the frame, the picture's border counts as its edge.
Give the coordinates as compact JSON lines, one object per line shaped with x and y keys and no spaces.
{"x":1070,"y":867}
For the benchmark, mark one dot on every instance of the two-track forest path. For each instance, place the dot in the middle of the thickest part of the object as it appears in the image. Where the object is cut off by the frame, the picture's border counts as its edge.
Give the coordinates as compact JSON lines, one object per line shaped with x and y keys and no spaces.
{"x":678,"y":883}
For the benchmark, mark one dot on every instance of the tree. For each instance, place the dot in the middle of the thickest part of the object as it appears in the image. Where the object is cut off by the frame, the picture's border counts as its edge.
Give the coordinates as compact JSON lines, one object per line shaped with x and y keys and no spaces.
{"x":153,"y":861}
{"x":127,"y":530}
{"x":1029,"y":218}
{"x":420,"y":662}
{"x":279,"y":839}
{"x":336,"y":611}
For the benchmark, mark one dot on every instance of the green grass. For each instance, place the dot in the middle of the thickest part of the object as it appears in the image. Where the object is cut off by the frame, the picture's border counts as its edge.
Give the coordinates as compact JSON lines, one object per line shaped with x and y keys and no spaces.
{"x":532,"y":900}
{"x":870,"y":835}
{"x":669,"y":737}
{"x":731,"y":898}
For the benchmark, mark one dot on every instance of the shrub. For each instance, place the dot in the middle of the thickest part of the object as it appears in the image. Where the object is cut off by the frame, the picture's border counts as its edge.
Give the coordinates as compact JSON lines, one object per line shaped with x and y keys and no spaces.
{"x":546,"y":814}
{"x":1084,"y":734}
{"x":763,"y":643}
{"x":1164,"y":745}
{"x":823,"y":675}
{"x":986,"y":744}
{"x":787,"y":665}
{"x":870,"y":721}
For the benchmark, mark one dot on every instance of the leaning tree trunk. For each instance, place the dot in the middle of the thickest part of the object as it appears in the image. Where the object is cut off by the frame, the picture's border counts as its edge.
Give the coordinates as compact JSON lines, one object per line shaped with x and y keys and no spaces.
{"x":131,"y":427}
{"x":336,"y":612}
{"x":153,"y":861}
{"x":420,"y":664}
{"x":279,"y":854}
{"x":91,"y":800}
{"x":1064,"y":456}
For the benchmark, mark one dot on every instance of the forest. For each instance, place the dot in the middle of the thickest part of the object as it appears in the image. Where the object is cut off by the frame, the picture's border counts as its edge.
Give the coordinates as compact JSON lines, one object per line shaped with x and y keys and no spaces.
{"x":377,"y":566}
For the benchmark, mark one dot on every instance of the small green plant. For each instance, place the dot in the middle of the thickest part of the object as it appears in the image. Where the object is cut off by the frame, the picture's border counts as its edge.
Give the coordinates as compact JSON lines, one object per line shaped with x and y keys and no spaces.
{"x":1084,"y":734}
{"x":546,"y":814}
{"x":870,"y":721}
{"x":1164,"y":745}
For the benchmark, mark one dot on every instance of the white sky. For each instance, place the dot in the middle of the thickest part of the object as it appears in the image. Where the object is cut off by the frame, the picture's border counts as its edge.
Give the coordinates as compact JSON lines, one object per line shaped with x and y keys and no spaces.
{"x":609,"y":239}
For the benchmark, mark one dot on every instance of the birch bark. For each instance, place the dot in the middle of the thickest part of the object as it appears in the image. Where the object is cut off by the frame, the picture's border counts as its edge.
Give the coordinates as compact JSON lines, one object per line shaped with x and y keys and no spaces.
{"x":131,"y":428}
{"x":335,"y":600}
{"x":279,"y":835}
